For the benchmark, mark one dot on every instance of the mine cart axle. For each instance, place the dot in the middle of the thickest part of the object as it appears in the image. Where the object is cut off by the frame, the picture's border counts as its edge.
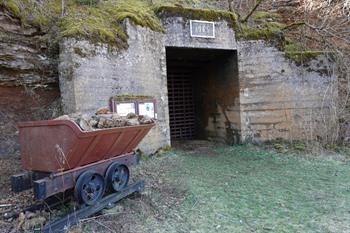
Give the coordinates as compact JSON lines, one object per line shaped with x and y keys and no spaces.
{"x":54,"y":183}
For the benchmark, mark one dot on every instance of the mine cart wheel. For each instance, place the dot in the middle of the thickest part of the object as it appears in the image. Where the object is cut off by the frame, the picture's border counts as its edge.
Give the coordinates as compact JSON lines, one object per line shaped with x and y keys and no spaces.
{"x":117,"y":176}
{"x":89,"y":188}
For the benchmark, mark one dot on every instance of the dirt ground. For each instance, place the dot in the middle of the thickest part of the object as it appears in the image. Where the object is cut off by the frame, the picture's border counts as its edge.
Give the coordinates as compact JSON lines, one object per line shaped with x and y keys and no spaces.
{"x":9,"y":201}
{"x":204,"y":187}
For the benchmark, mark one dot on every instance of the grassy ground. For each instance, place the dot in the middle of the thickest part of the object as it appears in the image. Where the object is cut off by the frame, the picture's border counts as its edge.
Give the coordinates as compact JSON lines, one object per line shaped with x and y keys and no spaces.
{"x":234,"y":189}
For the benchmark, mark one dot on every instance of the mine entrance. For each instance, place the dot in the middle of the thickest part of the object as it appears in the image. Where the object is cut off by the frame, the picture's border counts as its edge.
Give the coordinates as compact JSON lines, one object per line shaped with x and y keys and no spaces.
{"x":197,"y":79}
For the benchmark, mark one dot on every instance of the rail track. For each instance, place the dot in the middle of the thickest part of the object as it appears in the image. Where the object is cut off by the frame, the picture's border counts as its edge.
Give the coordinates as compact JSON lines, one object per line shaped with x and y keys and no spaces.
{"x":51,"y":203}
{"x":63,"y":224}
{"x":81,"y":212}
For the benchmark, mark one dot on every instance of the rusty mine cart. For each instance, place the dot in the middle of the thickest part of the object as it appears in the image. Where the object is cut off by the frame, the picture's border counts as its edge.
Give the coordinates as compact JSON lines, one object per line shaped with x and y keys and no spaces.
{"x":58,"y":156}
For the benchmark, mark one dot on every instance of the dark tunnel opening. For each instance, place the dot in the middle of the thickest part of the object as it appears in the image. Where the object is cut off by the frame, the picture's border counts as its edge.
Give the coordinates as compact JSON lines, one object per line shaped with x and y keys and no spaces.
{"x":200,"y":83}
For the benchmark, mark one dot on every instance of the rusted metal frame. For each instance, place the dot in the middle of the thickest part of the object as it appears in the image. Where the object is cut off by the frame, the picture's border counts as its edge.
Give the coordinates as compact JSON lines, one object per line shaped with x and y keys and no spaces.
{"x":116,"y":142}
{"x":138,"y":136}
{"x":72,"y":219}
{"x":60,"y":182}
{"x":24,"y":181}
{"x":90,"y":148}
{"x":21,"y":182}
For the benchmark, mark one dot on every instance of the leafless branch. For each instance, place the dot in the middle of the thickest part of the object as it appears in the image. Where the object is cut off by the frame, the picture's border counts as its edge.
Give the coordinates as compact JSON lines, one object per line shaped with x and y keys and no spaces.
{"x":245,"y":19}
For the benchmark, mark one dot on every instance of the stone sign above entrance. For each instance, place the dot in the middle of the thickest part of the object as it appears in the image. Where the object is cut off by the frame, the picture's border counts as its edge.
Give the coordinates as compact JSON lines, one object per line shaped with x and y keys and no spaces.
{"x":202,"y":29}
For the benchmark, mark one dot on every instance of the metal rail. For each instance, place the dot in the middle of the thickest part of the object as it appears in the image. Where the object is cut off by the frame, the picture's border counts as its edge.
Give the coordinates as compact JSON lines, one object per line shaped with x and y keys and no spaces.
{"x":49,"y":204}
{"x":72,"y":219}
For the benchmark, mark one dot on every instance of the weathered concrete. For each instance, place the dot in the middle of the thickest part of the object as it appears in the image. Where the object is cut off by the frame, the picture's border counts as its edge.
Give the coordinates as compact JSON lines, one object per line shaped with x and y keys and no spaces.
{"x":91,"y":74}
{"x":178,"y":35}
{"x":219,"y":87}
{"x":279,"y":99}
{"x":264,"y":97}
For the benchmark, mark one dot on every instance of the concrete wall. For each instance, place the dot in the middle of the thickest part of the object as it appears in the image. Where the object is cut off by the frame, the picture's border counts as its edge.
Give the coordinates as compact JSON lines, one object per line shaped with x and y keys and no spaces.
{"x":279,"y":99}
{"x":218,"y":84}
{"x":272,"y":98}
{"x":91,"y":74}
{"x":178,"y":35}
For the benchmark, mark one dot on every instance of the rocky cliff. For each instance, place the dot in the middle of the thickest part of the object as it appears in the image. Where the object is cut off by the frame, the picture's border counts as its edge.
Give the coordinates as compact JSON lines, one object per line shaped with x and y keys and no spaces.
{"x":28,"y":78}
{"x":24,"y":55}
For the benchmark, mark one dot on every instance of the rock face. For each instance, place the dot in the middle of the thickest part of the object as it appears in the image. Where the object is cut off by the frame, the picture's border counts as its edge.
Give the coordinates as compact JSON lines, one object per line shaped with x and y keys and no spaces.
{"x":19,"y":104}
{"x":24,"y":56}
{"x":28,"y":80}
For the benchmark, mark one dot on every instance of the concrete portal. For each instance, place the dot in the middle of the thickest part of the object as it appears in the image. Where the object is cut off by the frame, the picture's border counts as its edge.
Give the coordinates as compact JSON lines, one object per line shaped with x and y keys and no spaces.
{"x":202,"y":85}
{"x":205,"y":88}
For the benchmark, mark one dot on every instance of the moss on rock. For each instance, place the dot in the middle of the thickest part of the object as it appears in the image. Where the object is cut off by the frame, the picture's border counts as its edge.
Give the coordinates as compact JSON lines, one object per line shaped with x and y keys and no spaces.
{"x":103,"y":23}
{"x":139,"y":12}
{"x":298,"y":53}
{"x":264,"y":31}
{"x":260,"y":15}
{"x":200,"y":14}
{"x":301,"y":57}
{"x":94,"y":25}
{"x":11,"y":6}
{"x":102,"y":20}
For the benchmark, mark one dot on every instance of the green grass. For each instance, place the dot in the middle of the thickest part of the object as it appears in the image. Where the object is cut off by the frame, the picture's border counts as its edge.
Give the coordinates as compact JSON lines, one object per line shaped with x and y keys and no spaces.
{"x":245,"y":190}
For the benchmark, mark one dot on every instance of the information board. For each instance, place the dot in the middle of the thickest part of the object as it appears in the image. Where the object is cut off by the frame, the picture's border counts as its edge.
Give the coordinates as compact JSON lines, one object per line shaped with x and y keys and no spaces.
{"x":124,"y":109}
{"x":147,"y":109}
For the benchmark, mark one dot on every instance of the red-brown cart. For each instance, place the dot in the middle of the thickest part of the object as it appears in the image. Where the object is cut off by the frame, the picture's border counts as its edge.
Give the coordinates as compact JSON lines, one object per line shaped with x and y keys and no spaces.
{"x":59,"y":156}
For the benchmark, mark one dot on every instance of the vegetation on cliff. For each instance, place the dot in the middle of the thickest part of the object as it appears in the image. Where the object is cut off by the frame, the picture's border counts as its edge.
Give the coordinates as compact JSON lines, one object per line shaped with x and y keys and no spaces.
{"x":97,"y":22}
{"x":102,"y":21}
{"x":298,"y":53}
{"x":200,"y":14}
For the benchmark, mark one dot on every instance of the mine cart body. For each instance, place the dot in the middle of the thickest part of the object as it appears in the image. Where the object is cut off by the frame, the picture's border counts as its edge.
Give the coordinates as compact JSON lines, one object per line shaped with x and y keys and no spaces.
{"x":55,"y":153}
{"x":60,"y":145}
